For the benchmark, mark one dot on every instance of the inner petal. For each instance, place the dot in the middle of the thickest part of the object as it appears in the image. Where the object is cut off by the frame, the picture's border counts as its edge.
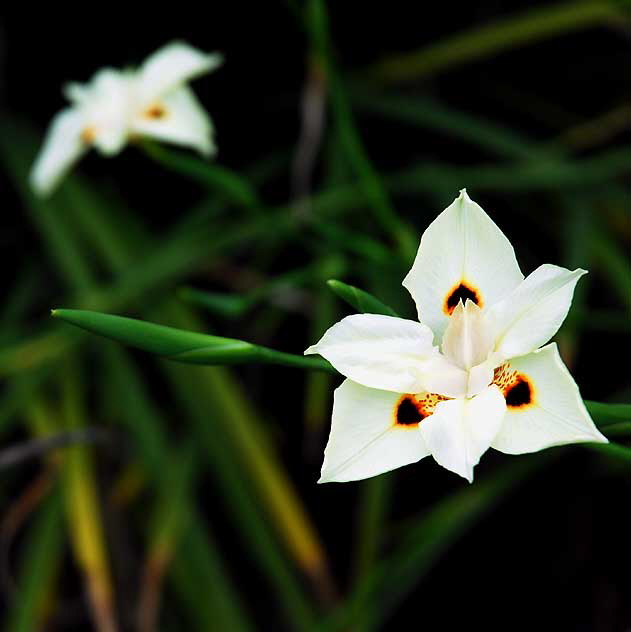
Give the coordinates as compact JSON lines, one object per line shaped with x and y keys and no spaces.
{"x":467,"y":340}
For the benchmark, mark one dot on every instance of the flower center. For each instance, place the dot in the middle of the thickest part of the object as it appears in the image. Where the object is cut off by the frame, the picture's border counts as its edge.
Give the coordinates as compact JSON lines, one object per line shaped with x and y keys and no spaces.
{"x":467,"y":340}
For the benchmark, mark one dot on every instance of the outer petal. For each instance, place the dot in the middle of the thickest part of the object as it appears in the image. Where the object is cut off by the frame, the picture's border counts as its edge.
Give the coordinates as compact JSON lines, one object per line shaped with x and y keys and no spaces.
{"x":461,"y":246}
{"x":172,"y":66}
{"x":461,"y":430}
{"x":178,"y":118}
{"x":556,"y":414}
{"x":533,"y":312}
{"x":384,"y":352}
{"x":365,"y":439}
{"x":62,"y":148}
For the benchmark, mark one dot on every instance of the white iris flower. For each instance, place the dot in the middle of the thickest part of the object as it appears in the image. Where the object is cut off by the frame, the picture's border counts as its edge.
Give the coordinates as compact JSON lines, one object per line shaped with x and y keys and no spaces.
{"x":153,"y":101}
{"x":471,"y":375}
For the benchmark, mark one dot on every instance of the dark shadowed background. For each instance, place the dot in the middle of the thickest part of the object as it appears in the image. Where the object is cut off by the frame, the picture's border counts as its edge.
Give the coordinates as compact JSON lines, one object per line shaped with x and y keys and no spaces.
{"x":532,"y":117}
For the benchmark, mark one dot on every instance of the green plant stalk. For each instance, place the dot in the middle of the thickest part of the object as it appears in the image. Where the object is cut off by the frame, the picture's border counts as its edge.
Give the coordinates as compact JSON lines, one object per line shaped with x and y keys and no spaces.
{"x":374,"y":504}
{"x":236,"y":305}
{"x":300,"y":537}
{"x":38,"y":568}
{"x":426,"y":540}
{"x":194,"y":393}
{"x":606,"y":415}
{"x":620,"y":429}
{"x":318,"y":386}
{"x":349,"y":137}
{"x":245,"y":429}
{"x":84,"y":514}
{"x":530,"y":26}
{"x":614,"y":450}
{"x":171,"y":527}
{"x":181,"y":254}
{"x":183,"y":346}
{"x":428,"y":114}
{"x":375,"y":493}
{"x":220,"y":180}
{"x":196,"y":547}
{"x":617,"y":265}
{"x":191,"y":347}
{"x":361,"y":300}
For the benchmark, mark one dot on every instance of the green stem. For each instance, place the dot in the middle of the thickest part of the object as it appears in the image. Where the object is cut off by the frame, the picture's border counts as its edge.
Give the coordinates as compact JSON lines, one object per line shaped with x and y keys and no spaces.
{"x":470,"y":45}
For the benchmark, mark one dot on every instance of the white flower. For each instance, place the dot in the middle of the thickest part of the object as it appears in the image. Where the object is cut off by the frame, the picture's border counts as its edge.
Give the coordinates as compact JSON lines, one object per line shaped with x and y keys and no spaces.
{"x":489,"y":384}
{"x":115,"y":105}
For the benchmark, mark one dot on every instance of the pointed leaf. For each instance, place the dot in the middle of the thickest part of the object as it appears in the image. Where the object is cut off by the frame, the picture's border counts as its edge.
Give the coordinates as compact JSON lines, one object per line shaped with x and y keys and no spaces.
{"x":361,"y":300}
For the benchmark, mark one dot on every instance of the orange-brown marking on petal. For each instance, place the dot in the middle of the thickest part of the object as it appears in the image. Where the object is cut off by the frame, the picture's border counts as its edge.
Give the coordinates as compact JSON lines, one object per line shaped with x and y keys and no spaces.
{"x":88,"y":135}
{"x":410,"y":410}
{"x":462,"y":290}
{"x":517,"y":388}
{"x":156,"y":111}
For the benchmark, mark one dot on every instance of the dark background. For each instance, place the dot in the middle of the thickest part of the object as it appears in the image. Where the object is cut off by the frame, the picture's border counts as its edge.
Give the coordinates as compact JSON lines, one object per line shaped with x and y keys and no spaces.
{"x":555,"y":554}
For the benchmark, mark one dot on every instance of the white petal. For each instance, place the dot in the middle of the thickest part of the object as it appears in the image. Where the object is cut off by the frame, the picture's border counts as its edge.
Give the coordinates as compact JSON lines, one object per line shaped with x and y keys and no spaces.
{"x":533,"y":312}
{"x":365,"y":439}
{"x":172,"y":66}
{"x":556,"y":414}
{"x":177,"y":118}
{"x":461,"y":430}
{"x":440,"y":376}
{"x":462,"y":246}
{"x":481,"y":375}
{"x":76,"y":93}
{"x":467,"y":340}
{"x":383,"y":352}
{"x":108,"y":104}
{"x":62,"y":148}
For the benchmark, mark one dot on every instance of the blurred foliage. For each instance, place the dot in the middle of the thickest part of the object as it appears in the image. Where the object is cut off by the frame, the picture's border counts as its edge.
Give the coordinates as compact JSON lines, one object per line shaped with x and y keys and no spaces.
{"x":193,"y":474}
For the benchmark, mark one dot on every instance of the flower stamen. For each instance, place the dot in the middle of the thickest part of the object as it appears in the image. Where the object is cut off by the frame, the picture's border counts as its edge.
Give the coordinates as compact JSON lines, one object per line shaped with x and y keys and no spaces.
{"x":410,"y":410}
{"x":516,"y":387}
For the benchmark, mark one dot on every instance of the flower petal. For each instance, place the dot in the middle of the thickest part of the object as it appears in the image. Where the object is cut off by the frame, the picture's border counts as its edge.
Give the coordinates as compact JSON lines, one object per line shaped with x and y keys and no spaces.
{"x":177,"y":118}
{"x":365,"y":438}
{"x":170,"y":67}
{"x":62,"y":148}
{"x":388,"y":353}
{"x":533,"y":312}
{"x":462,"y":254}
{"x":107,"y":105}
{"x":467,"y":340}
{"x":549,"y":410}
{"x":461,"y":430}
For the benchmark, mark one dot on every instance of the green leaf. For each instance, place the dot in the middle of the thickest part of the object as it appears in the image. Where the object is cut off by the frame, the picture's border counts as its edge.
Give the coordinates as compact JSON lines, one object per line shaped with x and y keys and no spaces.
{"x":515,"y":30}
{"x":361,"y":300}
{"x":615,"y":450}
{"x":429,"y":537}
{"x":370,"y":181}
{"x":215,"y":177}
{"x":608,"y":414}
{"x":181,"y":345}
{"x":37,"y":578}
{"x":228,"y":305}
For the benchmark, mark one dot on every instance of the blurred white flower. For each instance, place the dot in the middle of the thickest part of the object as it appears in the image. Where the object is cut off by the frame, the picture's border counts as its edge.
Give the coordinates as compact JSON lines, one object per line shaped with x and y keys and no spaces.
{"x":153,"y":101}
{"x":488,"y":385}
